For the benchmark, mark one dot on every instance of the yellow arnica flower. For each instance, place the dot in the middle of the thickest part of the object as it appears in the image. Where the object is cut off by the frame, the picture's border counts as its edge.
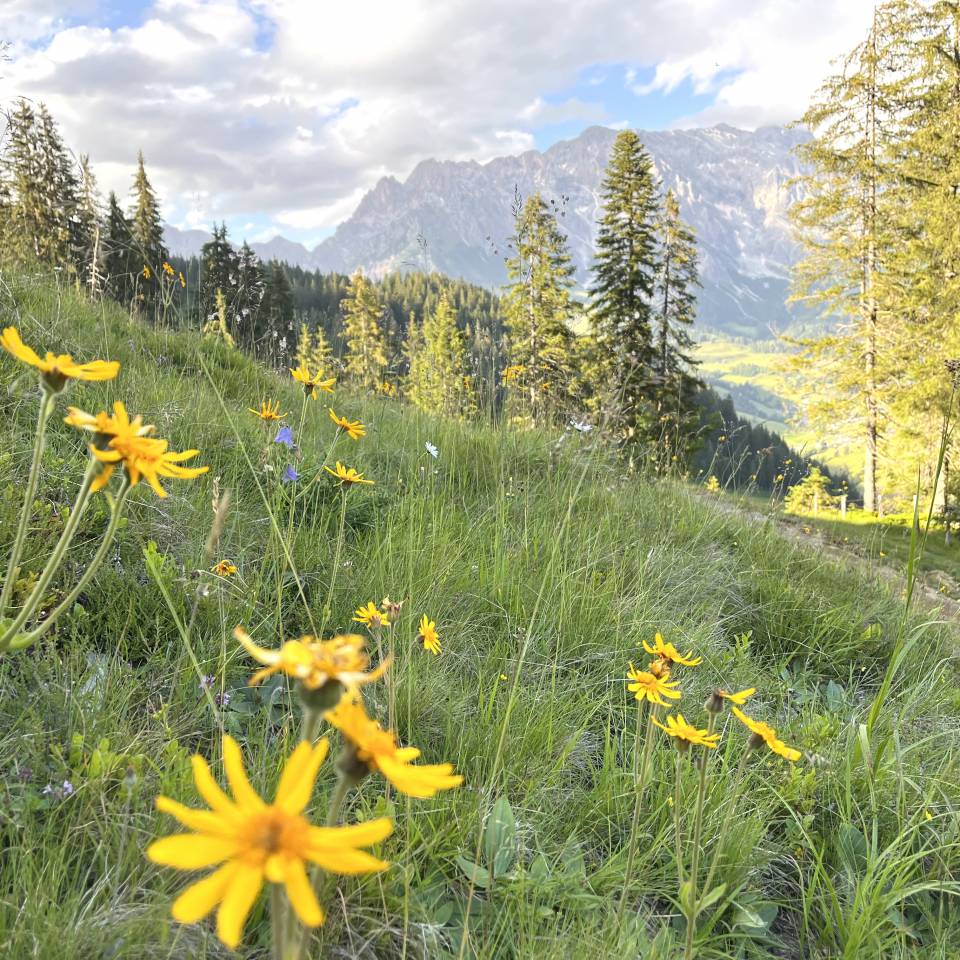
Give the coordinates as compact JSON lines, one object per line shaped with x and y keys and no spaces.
{"x":354,"y":429}
{"x":105,"y":426}
{"x":370,"y":616}
{"x":254,"y":841}
{"x":269,"y":410}
{"x":312,"y":382}
{"x":183,"y":279}
{"x":315,"y":662}
{"x":649,"y":687}
{"x":146,"y":272}
{"x":167,"y":269}
{"x":141,"y":456}
{"x":56,"y":370}
{"x":377,"y":750}
{"x":669,"y":652}
{"x":768,"y":735}
{"x":347,"y":476}
{"x":679,"y":728}
{"x":225,"y":568}
{"x":428,"y":635}
{"x":739,"y":698}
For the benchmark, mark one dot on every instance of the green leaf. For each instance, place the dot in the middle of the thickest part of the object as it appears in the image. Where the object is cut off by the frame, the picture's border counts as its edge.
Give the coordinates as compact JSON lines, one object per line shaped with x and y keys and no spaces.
{"x":709,"y":899}
{"x":539,"y":869}
{"x":476,"y":874}
{"x":498,"y":837}
{"x":852,"y":847}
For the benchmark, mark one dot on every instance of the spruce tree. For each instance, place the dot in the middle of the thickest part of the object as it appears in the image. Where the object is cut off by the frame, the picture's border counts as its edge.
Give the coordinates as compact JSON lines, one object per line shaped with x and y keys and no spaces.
{"x":623,"y":283}
{"x":362,"y":313}
{"x":63,"y":241}
{"x":219,"y":277}
{"x":248,"y":298}
{"x":276,"y":313}
{"x":24,"y":227}
{"x":538,"y":310}
{"x":120,"y":261}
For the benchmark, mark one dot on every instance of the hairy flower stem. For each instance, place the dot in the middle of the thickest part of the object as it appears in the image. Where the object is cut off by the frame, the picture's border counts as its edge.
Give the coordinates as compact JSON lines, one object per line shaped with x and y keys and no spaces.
{"x":278,"y":922}
{"x":738,"y":779}
{"x":697,"y":835}
{"x":340,"y":792}
{"x":92,"y":567}
{"x":639,"y":786}
{"x":310,"y":726}
{"x":53,"y":561}
{"x":39,"y":441}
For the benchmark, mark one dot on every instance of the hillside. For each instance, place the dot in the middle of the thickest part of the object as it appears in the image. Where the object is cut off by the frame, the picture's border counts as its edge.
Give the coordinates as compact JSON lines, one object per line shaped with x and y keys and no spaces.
{"x":544,"y":567}
{"x":455,"y":217}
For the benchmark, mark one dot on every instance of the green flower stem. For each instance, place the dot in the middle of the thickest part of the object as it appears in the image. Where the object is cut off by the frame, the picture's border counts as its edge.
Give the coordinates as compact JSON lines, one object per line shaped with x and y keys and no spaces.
{"x":54,"y":560}
{"x":310,"y":725}
{"x":340,"y":792}
{"x":639,"y":786}
{"x":278,"y":922}
{"x":677,"y":769}
{"x":39,"y":441}
{"x":697,"y":834}
{"x":738,"y":784}
{"x":336,"y":559}
{"x":92,"y":567}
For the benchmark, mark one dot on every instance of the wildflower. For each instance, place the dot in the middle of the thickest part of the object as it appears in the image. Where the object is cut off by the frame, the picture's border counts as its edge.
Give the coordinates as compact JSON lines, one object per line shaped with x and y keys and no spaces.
{"x":183,"y":280}
{"x":225,"y":568}
{"x":667,"y":651}
{"x":387,"y":389}
{"x":739,"y":698}
{"x":313,"y":662}
{"x":513,"y":372}
{"x":167,"y":269}
{"x":764,"y":733}
{"x":106,"y":426}
{"x":222,"y":699}
{"x":432,"y":450}
{"x":428,"y":635}
{"x":290,"y":474}
{"x":370,"y":616}
{"x":581,"y":427}
{"x":146,"y":272}
{"x":312,"y":382}
{"x":376,"y":750}
{"x":354,"y":429}
{"x":269,"y":410}
{"x":55,"y":371}
{"x":650,"y":687}
{"x":254,"y":841}
{"x":347,"y":476}
{"x":391,"y":607}
{"x":686,"y":734}
{"x":142,"y":456}
{"x":207,"y":681}
{"x":285,"y":436}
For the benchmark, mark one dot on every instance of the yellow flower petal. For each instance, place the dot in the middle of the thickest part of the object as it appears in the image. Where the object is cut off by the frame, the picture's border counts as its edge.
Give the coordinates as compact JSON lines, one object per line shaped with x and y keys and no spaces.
{"x":201,"y":897}
{"x":299,"y":776}
{"x":301,"y":896}
{"x":243,"y":793}
{"x":241,"y":894}
{"x":208,"y":788}
{"x":191,"y":851}
{"x":202,"y":821}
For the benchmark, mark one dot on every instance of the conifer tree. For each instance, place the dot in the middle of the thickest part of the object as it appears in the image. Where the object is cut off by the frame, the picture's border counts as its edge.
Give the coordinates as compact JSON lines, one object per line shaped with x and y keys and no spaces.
{"x":276,"y":313}
{"x":362,"y":312}
{"x":438,"y":380}
{"x":60,"y":189}
{"x":847,"y":222}
{"x":147,"y":232}
{"x":674,"y":384}
{"x":250,"y":289}
{"x":120,"y":260}
{"x":313,"y":348}
{"x":623,"y":283}
{"x":24,"y":227}
{"x":219,"y":276}
{"x":90,"y":214}
{"x":538,"y":310}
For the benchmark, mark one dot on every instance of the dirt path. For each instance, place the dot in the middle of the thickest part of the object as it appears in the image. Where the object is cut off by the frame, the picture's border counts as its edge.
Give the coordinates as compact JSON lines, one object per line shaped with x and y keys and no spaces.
{"x":926,"y":595}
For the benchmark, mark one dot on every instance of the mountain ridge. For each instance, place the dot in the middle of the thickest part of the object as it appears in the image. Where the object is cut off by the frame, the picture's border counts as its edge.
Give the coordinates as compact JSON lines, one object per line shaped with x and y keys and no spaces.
{"x":453,"y":216}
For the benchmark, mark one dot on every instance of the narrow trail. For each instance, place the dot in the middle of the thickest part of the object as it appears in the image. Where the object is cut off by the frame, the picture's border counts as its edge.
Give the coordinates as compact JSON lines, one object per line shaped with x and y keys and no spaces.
{"x":926,"y":595}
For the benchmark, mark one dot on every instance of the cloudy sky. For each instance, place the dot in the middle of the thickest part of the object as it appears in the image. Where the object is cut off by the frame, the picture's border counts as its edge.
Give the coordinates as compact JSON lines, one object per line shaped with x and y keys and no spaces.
{"x":277,"y":115}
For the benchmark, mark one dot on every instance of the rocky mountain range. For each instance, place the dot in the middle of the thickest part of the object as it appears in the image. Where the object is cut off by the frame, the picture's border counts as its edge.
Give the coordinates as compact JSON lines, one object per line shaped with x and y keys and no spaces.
{"x":455,"y":216}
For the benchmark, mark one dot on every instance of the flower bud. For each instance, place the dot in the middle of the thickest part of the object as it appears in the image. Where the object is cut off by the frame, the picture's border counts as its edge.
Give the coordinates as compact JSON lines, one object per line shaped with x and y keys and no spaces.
{"x":351,"y":767}
{"x":714,"y":703}
{"x":321,"y":698}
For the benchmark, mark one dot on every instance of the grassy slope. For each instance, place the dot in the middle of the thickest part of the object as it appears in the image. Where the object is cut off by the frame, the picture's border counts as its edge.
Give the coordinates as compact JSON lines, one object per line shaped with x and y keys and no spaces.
{"x":540,"y":563}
